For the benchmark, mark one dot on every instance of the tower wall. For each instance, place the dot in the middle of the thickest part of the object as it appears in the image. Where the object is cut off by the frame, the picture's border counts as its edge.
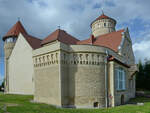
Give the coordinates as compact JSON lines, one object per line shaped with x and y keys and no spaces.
{"x":103,"y":26}
{"x":87,"y":83}
{"x":8,"y":47}
{"x":85,"y":67}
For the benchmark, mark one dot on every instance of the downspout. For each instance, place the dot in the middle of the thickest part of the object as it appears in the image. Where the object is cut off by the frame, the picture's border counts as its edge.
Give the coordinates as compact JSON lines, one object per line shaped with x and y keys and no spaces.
{"x":60,"y":76}
{"x":106,"y":79}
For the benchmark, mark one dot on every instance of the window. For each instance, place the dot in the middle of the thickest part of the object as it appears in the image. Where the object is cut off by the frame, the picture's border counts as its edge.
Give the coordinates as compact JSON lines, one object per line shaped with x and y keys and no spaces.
{"x":95,"y":104}
{"x":104,"y":24}
{"x":11,"y":39}
{"x":120,"y":78}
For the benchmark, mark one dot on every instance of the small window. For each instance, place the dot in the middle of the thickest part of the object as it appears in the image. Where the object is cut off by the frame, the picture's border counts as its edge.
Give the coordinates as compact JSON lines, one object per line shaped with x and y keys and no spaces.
{"x":64,"y":56}
{"x":56,"y":55}
{"x":87,"y":56}
{"x":14,"y":39}
{"x":80,"y":56}
{"x":95,"y":104}
{"x":105,"y":24}
{"x":9,"y":40}
{"x":40,"y":60}
{"x":52,"y":56}
{"x":47,"y":57}
{"x":43,"y":58}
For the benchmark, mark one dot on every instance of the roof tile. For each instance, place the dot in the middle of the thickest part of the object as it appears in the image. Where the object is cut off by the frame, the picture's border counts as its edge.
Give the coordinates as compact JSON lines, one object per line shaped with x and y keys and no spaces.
{"x":111,"y":40}
{"x":15,"y":30}
{"x":61,"y":36}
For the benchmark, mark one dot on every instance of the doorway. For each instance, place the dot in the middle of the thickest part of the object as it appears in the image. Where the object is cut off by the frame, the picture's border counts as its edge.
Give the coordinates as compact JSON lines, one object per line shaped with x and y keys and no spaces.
{"x":122,"y":99}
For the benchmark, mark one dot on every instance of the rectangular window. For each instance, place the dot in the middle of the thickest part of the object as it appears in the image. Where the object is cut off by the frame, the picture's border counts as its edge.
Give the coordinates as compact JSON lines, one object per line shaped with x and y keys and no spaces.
{"x":9,"y":40}
{"x":120,"y":79}
{"x":104,"y":24}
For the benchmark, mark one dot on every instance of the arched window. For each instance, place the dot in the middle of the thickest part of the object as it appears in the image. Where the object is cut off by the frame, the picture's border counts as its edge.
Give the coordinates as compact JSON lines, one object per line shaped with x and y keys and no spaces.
{"x":81,"y":57}
{"x":104,"y":24}
{"x":120,"y":78}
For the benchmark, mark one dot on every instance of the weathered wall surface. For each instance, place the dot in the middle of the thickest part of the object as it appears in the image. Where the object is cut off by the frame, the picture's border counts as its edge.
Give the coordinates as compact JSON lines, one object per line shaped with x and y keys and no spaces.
{"x":47,"y":75}
{"x":47,"y":85}
{"x":21,"y":68}
{"x":98,"y":27}
{"x":74,"y":75}
{"x":88,"y":83}
{"x":86,"y":79}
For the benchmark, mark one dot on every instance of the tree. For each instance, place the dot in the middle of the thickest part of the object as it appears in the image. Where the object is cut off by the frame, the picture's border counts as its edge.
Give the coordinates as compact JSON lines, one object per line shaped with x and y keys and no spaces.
{"x":143,"y":76}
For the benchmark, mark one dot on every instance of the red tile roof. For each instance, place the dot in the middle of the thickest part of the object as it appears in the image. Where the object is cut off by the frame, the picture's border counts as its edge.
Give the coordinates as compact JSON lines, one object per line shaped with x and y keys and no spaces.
{"x":15,"y":30}
{"x":61,"y":36}
{"x":33,"y":41}
{"x":111,"y":40}
{"x":103,"y":16}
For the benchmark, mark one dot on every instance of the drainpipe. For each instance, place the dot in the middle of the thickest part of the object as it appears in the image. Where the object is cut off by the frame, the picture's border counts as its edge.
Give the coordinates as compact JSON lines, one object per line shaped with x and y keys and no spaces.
{"x":106,"y":79}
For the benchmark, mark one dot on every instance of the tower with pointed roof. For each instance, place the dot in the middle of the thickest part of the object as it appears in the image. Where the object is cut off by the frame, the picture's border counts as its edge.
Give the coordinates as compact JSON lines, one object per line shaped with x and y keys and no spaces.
{"x":103,"y":25}
{"x":11,"y":37}
{"x":9,"y":43}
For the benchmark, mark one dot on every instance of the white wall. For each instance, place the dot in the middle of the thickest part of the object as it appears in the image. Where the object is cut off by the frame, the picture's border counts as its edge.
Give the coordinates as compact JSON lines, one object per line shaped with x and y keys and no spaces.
{"x":21,"y":68}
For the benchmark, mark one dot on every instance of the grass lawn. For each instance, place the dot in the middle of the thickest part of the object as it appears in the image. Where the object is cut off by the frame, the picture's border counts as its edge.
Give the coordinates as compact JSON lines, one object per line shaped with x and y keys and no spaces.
{"x":22,"y":104}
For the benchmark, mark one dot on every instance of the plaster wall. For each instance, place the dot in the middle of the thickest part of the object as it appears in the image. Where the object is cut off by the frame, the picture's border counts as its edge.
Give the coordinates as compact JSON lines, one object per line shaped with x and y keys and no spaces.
{"x":21,"y":68}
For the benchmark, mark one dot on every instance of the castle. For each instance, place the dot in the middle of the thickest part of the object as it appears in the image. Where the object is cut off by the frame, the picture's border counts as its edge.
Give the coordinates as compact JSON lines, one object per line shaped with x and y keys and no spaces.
{"x":63,"y":71}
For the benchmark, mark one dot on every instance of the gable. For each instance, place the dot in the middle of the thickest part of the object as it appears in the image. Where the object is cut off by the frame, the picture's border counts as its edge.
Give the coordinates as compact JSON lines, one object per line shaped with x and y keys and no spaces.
{"x":126,"y":48}
{"x":21,"y":68}
{"x":20,"y":46}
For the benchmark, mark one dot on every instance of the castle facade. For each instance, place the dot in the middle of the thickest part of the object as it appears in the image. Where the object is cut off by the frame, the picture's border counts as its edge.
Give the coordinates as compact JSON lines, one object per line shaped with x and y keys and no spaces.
{"x":64,"y":71}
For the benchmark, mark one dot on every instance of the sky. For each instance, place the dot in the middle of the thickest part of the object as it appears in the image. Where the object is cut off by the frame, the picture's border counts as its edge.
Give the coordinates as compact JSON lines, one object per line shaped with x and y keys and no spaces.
{"x":41,"y":17}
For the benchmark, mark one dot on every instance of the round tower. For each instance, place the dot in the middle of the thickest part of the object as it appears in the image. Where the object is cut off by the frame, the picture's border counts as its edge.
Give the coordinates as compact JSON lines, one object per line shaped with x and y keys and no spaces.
{"x":103,"y":25}
{"x":8,"y":46}
{"x":9,"y":43}
{"x":11,"y":37}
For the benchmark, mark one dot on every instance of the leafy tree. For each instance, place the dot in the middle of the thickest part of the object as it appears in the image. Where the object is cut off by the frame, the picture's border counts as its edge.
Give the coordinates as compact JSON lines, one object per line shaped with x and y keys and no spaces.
{"x":143,"y":76}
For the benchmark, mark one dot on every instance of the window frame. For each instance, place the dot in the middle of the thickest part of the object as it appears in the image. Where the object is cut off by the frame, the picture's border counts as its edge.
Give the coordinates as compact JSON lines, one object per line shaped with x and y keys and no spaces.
{"x":120,"y":79}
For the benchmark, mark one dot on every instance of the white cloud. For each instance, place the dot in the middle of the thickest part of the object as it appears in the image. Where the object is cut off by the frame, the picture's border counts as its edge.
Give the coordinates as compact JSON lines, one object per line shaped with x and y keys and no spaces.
{"x":141,"y":48}
{"x":41,"y":17}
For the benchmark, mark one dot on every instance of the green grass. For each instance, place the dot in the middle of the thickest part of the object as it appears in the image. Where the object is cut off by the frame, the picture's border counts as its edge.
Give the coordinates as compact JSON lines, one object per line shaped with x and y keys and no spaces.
{"x":22,"y":104}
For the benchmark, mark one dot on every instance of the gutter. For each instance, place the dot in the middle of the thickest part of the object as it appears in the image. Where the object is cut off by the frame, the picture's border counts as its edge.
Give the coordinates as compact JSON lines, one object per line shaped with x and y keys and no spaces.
{"x":106,"y":79}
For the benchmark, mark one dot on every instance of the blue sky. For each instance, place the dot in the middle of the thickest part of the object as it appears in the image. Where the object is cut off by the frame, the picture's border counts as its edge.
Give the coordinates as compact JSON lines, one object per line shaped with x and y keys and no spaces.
{"x":41,"y":17}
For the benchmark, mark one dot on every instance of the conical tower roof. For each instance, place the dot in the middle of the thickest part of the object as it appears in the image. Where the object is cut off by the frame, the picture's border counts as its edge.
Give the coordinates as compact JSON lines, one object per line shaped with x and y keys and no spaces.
{"x":15,"y":30}
{"x":103,"y":16}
